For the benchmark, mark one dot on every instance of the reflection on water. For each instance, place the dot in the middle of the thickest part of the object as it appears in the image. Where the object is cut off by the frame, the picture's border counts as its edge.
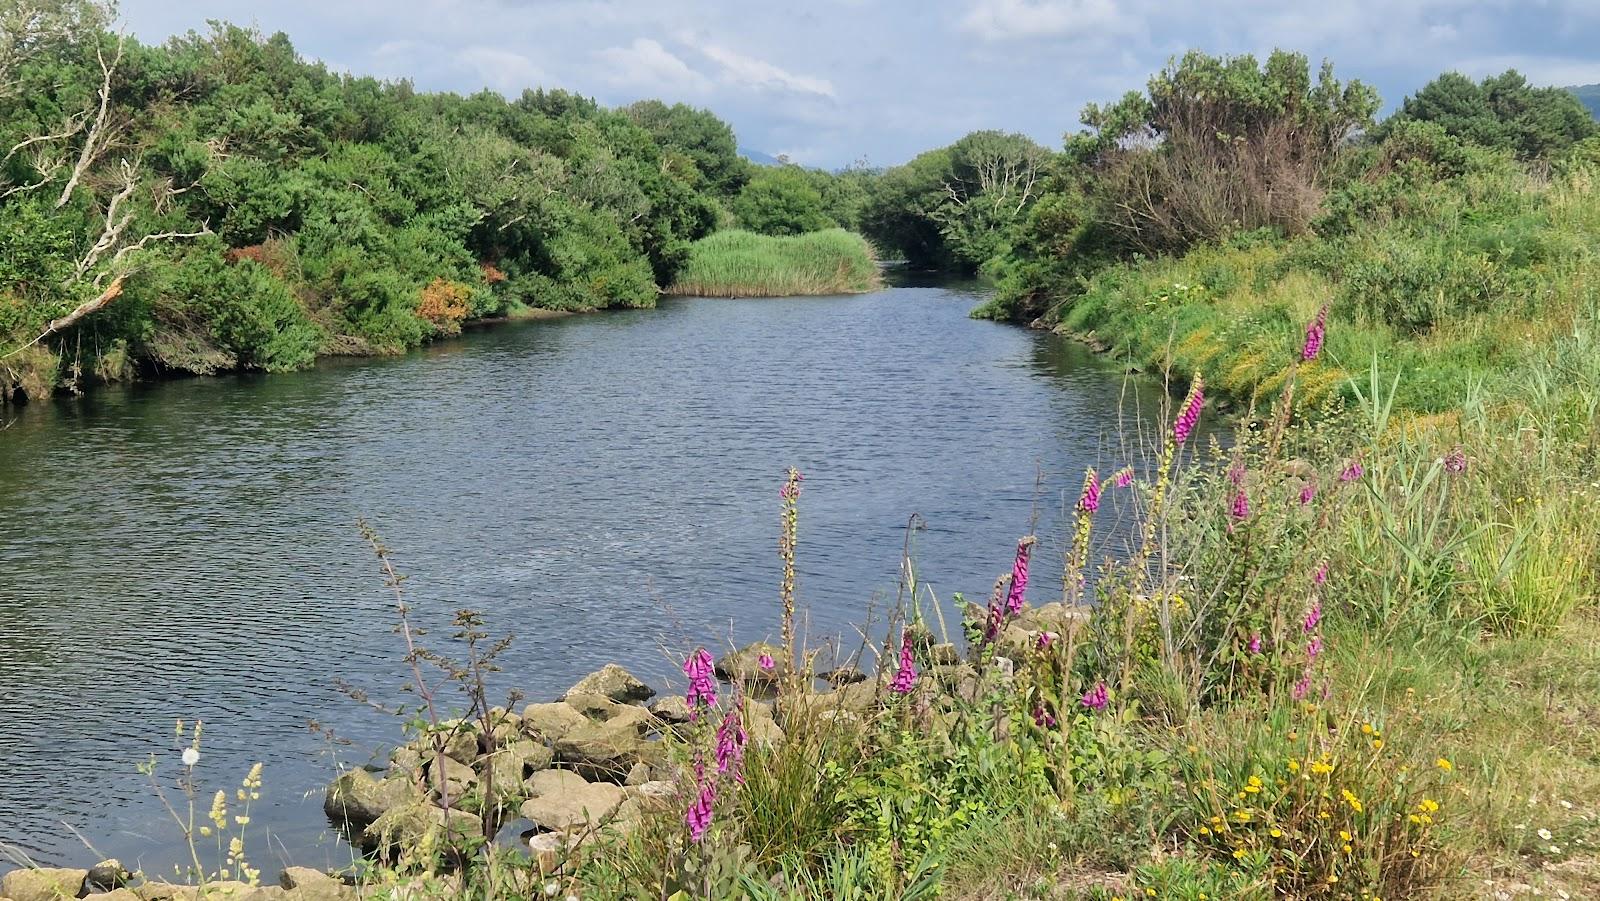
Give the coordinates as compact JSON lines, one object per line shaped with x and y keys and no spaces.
{"x":604,"y":487}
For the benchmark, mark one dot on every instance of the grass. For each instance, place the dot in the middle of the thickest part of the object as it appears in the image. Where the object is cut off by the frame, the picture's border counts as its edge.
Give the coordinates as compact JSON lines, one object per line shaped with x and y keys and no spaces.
{"x":744,"y":264}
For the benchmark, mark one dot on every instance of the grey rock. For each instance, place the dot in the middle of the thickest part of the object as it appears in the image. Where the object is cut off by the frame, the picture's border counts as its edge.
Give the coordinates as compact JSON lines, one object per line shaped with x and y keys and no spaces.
{"x":613,"y":682}
{"x":357,"y":798}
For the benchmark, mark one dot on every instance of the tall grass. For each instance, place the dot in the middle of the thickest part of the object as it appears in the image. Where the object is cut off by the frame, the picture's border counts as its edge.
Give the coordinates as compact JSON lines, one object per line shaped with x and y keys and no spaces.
{"x":744,"y":264}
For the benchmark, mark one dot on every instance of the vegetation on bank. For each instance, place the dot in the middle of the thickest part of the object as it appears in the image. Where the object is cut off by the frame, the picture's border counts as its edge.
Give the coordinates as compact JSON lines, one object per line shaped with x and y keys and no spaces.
{"x":735,"y":263}
{"x":217,"y":203}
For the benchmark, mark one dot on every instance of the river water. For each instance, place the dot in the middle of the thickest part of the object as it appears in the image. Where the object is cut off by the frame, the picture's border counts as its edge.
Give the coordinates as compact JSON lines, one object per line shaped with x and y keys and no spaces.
{"x":604,"y":488}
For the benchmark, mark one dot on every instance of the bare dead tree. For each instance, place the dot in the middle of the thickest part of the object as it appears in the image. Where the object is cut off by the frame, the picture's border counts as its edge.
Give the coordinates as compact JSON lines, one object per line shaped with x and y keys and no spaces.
{"x":97,"y":137}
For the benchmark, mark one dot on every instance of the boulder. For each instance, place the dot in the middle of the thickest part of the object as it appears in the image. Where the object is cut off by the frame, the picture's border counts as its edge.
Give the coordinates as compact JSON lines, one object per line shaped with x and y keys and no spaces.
{"x":447,"y":773}
{"x":613,"y":682}
{"x":1059,"y":618}
{"x":42,"y":884}
{"x":672,"y":710}
{"x":460,"y":741}
{"x":409,"y":825}
{"x":306,"y":884}
{"x":657,"y":791}
{"x":639,"y":775}
{"x":594,"y":706}
{"x":511,"y":765}
{"x":211,"y":891}
{"x":550,"y":782}
{"x":844,"y":675}
{"x":106,"y":876}
{"x":607,"y":750}
{"x":549,"y":722}
{"x":744,"y":665}
{"x":357,"y":798}
{"x":120,"y":894}
{"x":943,"y":654}
{"x":570,"y":804}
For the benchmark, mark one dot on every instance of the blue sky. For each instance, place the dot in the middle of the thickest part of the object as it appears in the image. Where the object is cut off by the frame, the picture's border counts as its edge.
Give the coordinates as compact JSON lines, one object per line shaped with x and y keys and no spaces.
{"x":832,"y":81}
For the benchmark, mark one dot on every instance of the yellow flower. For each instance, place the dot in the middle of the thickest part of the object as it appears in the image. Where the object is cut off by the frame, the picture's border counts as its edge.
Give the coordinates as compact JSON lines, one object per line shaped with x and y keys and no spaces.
{"x":1444,"y":764}
{"x":1238,"y":854}
{"x":1294,"y":766}
{"x":1344,"y":834}
{"x":1351,"y":799}
{"x":1428,"y":805}
{"x":1366,"y":728}
{"x":1377,"y":744}
{"x":1276,"y":832}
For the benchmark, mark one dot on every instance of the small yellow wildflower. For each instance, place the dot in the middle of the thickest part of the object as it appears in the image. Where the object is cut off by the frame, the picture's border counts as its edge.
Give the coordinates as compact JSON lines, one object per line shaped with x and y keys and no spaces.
{"x":1377,"y":744}
{"x":1366,"y":728}
{"x":1351,"y":799}
{"x":1444,"y":764}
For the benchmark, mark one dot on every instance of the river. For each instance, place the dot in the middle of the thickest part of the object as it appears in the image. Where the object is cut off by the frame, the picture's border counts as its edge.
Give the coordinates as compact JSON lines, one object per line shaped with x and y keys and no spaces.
{"x":603,"y":487}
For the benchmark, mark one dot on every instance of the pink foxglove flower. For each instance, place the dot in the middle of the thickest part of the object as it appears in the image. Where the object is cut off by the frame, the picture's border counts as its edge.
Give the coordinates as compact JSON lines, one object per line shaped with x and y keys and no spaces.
{"x":1308,"y":493}
{"x":905,"y":678}
{"x":1019,"y":575}
{"x":1313,"y":616}
{"x":1352,"y":471}
{"x":1043,"y":718}
{"x":1255,"y":643}
{"x":1096,"y":697}
{"x":1189,"y":413}
{"x":731,"y":739}
{"x":702,"y":681}
{"x":765,"y":662}
{"x":1125,"y":477}
{"x":1315,"y":333}
{"x":1301,"y":687}
{"x":698,"y":816}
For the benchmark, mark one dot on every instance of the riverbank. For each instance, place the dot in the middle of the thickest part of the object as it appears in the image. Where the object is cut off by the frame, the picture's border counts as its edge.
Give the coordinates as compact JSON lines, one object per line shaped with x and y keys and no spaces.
{"x":1342,"y":660}
{"x":744,"y":264}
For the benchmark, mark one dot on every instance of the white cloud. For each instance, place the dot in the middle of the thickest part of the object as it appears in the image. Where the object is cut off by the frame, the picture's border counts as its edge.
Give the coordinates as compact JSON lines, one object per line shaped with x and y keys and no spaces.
{"x":645,"y":63}
{"x":503,"y":70}
{"x":747,"y":71}
{"x":999,"y":20}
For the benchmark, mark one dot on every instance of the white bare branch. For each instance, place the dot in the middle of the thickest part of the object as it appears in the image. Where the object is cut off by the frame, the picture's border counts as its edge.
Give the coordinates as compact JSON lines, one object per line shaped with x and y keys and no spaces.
{"x":94,"y":142}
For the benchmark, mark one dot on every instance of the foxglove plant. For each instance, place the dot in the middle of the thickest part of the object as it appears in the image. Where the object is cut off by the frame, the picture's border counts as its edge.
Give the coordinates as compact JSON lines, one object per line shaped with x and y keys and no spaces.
{"x":905,"y":677}
{"x":1016,"y":596}
{"x":1095,"y":698}
{"x":1078,"y":558}
{"x":1316,"y":332}
{"x":698,"y":816}
{"x":702,"y":682}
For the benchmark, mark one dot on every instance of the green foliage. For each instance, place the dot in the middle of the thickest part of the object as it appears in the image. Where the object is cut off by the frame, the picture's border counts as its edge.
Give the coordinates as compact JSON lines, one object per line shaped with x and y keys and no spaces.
{"x":743,"y":264}
{"x":780,"y":200}
{"x":1503,"y":112}
{"x":335,"y":201}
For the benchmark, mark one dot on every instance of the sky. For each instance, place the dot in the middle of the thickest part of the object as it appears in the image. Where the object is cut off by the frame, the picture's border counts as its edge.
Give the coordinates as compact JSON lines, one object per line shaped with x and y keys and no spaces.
{"x":832,"y":82}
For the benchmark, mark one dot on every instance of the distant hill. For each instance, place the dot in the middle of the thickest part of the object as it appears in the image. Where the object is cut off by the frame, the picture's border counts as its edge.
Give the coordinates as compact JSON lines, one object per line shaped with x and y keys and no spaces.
{"x":1590,"y":95}
{"x":759,"y":158}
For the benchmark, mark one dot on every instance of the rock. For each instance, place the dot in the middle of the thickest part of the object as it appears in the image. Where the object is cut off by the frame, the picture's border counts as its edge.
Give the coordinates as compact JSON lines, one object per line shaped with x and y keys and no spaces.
{"x":949,"y":676}
{"x":306,"y":884}
{"x":42,"y":884}
{"x":106,"y":876}
{"x":608,"y":750}
{"x":613,"y":682}
{"x":212,"y":891}
{"x":672,"y":710}
{"x":460,"y":741}
{"x":406,"y":761}
{"x":121,"y":894}
{"x":549,"y":782}
{"x":844,"y":675}
{"x":550,"y":721}
{"x":572,"y":804}
{"x":1059,"y":618}
{"x":639,"y":775}
{"x":459,"y":780}
{"x":510,"y":766}
{"x":943,"y":654}
{"x":409,"y":825}
{"x":506,"y":726}
{"x":357,"y":798}
{"x":552,"y":851}
{"x":593,"y":706}
{"x":744,"y":665}
{"x":658,"y":790}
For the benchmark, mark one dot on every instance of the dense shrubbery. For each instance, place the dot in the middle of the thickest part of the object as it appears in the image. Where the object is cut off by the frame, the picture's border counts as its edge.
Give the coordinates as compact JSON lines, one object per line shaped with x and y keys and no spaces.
{"x":244,"y":208}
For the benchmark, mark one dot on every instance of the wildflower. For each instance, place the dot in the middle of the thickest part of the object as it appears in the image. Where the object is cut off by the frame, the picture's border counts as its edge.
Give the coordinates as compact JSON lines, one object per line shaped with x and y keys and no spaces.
{"x":1043,"y":718}
{"x":1124,"y":477}
{"x":1301,"y":687}
{"x":1456,"y":461}
{"x":731,"y":739}
{"x":1255,"y":643}
{"x":1045,"y":638}
{"x":1236,"y":473}
{"x":1321,"y":575}
{"x":905,"y":678}
{"x":766,"y":663}
{"x":1308,"y":493}
{"x":1352,"y":471}
{"x":191,"y":756}
{"x":1314,"y":647}
{"x":1189,"y":413}
{"x":1241,"y":506}
{"x":702,"y":686}
{"x":1095,"y":698}
{"x":1367,"y":729}
{"x":698,"y":816}
{"x":1313,"y":616}
{"x":1351,"y":799}
{"x":219,"y":810}
{"x":1545,"y":834}
{"x":1377,"y":744}
{"x":1089,"y":500}
{"x":1315,"y":333}
{"x":1019,"y":573}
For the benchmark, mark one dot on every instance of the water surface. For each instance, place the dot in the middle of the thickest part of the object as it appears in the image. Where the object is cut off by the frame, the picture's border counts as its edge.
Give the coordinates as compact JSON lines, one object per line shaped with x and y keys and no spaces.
{"x":601,"y":486}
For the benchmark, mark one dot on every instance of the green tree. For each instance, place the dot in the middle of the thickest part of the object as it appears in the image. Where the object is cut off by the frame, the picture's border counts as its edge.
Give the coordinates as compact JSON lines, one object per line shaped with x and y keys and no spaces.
{"x":1501,"y":112}
{"x":780,"y":200}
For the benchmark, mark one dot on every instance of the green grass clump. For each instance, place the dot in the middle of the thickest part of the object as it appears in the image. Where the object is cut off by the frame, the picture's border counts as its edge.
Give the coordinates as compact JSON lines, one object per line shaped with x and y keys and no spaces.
{"x":744,"y":264}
